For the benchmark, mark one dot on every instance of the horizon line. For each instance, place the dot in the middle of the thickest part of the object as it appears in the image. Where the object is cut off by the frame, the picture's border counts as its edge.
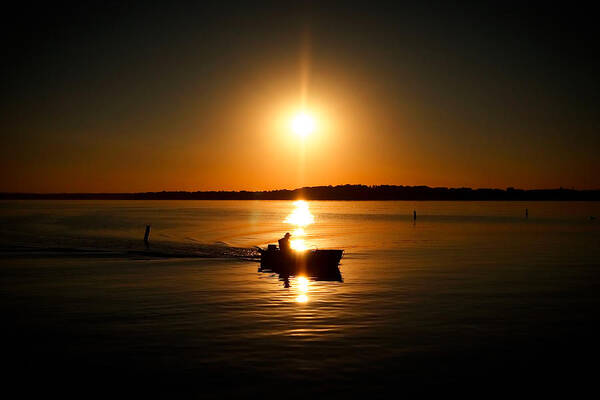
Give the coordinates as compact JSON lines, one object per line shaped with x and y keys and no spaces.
{"x":233,"y":191}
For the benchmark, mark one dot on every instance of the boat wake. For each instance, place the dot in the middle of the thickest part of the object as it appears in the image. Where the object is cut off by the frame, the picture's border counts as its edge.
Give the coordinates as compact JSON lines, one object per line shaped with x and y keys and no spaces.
{"x":123,"y":248}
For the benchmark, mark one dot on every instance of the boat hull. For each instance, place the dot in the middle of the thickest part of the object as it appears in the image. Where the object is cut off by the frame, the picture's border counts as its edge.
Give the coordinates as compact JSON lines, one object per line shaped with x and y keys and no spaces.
{"x":317,"y":263}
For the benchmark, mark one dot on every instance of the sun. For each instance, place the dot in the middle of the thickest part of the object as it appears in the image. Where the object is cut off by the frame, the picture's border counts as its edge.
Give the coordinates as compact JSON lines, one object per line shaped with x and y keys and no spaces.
{"x":303,"y":124}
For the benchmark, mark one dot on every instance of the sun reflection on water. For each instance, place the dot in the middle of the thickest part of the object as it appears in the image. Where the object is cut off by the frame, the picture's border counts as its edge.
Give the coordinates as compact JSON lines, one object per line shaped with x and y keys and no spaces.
{"x":302,"y":288}
{"x":298,"y":244}
{"x":299,"y":232}
{"x":300,"y":217}
{"x":302,"y":298}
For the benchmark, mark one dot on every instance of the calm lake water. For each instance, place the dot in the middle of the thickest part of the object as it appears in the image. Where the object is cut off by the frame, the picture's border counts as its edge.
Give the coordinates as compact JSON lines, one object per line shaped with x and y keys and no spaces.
{"x":470,"y":292}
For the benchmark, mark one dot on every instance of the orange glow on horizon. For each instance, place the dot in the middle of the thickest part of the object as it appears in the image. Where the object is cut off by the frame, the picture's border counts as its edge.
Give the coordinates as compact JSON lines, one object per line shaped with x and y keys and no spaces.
{"x":301,"y":104}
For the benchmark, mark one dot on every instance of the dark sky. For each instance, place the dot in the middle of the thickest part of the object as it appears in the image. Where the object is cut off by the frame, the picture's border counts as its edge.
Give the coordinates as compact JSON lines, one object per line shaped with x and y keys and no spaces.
{"x":142,"y":97}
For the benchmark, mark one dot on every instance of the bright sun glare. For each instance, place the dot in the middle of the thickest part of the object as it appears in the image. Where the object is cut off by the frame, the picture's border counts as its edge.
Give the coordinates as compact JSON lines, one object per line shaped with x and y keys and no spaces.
{"x":303,"y":124}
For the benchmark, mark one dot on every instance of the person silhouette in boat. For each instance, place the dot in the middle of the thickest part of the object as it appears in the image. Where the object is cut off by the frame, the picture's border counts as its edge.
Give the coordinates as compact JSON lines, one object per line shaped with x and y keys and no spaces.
{"x":284,"y":243}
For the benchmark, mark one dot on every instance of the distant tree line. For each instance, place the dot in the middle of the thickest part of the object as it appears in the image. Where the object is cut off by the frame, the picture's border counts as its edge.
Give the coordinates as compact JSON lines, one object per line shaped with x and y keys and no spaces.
{"x":341,"y":192}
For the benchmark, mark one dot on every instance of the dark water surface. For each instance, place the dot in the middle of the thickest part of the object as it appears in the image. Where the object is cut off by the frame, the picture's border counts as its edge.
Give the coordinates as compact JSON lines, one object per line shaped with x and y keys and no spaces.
{"x":470,"y":294}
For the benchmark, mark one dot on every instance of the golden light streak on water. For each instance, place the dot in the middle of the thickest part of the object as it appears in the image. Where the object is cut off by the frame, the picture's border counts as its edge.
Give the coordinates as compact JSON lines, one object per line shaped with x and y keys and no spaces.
{"x":298,"y":244}
{"x":302,"y":283}
{"x":302,"y":288}
{"x":301,"y":215}
{"x":299,"y":232}
{"x":302,"y":298}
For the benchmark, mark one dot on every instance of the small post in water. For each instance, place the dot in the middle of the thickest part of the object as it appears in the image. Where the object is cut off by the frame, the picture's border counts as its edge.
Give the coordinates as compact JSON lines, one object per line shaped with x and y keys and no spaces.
{"x":526,"y":213}
{"x":147,"y":234}
{"x":414,"y":215}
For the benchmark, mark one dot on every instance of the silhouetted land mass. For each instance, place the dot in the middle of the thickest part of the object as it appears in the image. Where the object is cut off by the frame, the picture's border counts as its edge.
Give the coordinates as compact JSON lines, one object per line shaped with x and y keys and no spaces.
{"x":341,"y":192}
